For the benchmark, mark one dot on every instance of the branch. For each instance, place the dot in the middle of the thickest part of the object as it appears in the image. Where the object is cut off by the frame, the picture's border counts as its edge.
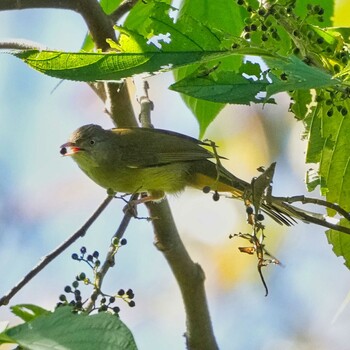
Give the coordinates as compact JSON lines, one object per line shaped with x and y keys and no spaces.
{"x":21,"y":45}
{"x":99,"y":24}
{"x":55,"y":253}
{"x":146,"y":107}
{"x":118,"y":104}
{"x":109,"y":260}
{"x":311,"y":217}
{"x":189,"y":276}
{"x":321,"y":202}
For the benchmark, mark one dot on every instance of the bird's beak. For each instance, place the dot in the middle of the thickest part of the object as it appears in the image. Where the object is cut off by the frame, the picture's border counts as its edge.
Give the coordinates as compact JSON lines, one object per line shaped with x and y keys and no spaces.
{"x":69,"y":149}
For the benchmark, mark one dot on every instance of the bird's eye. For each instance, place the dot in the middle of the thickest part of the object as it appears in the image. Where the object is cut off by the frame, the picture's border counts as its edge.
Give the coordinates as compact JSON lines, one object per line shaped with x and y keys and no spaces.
{"x":92,"y":142}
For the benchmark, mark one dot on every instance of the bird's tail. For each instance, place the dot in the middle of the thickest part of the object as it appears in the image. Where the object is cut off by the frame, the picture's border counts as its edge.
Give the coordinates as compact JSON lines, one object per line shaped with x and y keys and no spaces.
{"x":207,"y":175}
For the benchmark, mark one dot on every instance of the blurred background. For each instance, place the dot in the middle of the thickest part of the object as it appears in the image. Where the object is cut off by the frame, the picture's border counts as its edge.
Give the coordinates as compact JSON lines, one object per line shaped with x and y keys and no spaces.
{"x":45,"y":198}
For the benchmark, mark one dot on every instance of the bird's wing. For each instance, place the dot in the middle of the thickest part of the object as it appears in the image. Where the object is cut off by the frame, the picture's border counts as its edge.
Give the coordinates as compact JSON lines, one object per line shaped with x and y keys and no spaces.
{"x":141,"y":147}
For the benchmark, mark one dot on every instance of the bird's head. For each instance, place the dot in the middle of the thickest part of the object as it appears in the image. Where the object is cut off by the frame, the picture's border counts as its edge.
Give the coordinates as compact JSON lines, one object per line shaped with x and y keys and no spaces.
{"x":84,"y":145}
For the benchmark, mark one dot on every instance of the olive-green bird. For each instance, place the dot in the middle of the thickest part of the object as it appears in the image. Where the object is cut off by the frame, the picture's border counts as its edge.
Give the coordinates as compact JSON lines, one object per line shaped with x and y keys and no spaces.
{"x":135,"y":160}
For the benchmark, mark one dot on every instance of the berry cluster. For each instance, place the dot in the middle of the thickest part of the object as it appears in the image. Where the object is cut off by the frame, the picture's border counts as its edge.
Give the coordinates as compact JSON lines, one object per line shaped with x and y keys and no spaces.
{"x":100,"y":300}
{"x":76,"y":302}
{"x":261,"y":21}
{"x":278,"y":22}
{"x":303,"y":37}
{"x":127,"y":296}
{"x":91,"y":259}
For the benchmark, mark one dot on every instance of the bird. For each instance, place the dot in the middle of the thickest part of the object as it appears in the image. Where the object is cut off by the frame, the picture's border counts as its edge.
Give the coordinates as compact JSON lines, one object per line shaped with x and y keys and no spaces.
{"x":157,"y":162}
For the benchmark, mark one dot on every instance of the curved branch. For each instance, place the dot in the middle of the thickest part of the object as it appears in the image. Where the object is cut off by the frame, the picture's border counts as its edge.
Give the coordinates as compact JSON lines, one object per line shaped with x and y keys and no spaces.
{"x":99,"y":24}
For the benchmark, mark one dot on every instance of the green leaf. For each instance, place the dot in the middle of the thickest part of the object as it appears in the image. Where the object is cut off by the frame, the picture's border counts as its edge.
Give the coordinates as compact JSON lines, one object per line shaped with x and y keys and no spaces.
{"x":85,"y":66}
{"x":300,"y":105}
{"x":329,"y":145}
{"x":140,"y":17}
{"x":28,"y":312}
{"x":243,"y":87}
{"x":224,"y":87}
{"x":301,"y":9}
{"x":218,"y":17}
{"x":109,"y":6}
{"x":215,"y":15}
{"x":344,"y":32}
{"x":5,"y":339}
{"x":340,"y":242}
{"x":298,"y":75}
{"x":62,"y":330}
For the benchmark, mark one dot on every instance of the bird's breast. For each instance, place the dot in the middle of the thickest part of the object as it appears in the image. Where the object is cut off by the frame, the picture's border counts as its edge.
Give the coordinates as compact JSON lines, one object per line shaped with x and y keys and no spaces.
{"x":170,"y":178}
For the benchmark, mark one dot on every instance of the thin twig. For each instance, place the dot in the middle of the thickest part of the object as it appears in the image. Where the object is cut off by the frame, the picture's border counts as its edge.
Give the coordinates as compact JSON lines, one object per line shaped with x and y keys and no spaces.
{"x":22,"y":44}
{"x":310,"y":217}
{"x":146,"y":107}
{"x":109,"y":260}
{"x":321,"y":202}
{"x":55,"y":253}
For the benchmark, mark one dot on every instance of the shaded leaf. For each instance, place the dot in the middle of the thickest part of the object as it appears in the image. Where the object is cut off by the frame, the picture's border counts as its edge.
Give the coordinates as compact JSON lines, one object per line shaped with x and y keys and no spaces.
{"x":298,"y":75}
{"x":63,"y":330}
{"x":340,"y":243}
{"x":224,"y":87}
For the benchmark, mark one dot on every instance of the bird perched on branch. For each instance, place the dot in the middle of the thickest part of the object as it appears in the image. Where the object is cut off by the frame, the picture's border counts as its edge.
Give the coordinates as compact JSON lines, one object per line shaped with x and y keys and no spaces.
{"x":155,"y":161}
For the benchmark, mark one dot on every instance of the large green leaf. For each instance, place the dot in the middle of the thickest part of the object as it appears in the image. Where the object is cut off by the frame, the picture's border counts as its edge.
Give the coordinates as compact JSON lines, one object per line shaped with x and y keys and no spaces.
{"x":328,"y":126}
{"x":189,"y":42}
{"x":85,"y":66}
{"x":340,"y":242}
{"x":217,"y":17}
{"x":62,"y":330}
{"x":296,"y":75}
{"x":329,"y":145}
{"x":242,"y":87}
{"x":221,"y":86}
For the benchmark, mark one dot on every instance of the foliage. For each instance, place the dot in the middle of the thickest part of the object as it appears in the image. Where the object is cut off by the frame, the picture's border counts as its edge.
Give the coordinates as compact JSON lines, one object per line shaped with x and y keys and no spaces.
{"x":226,"y":52}
{"x":63,"y":328}
{"x":218,"y":67}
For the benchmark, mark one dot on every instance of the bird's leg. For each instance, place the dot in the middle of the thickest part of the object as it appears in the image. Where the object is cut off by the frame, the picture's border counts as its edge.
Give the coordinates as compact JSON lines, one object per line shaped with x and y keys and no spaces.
{"x":151,"y":196}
